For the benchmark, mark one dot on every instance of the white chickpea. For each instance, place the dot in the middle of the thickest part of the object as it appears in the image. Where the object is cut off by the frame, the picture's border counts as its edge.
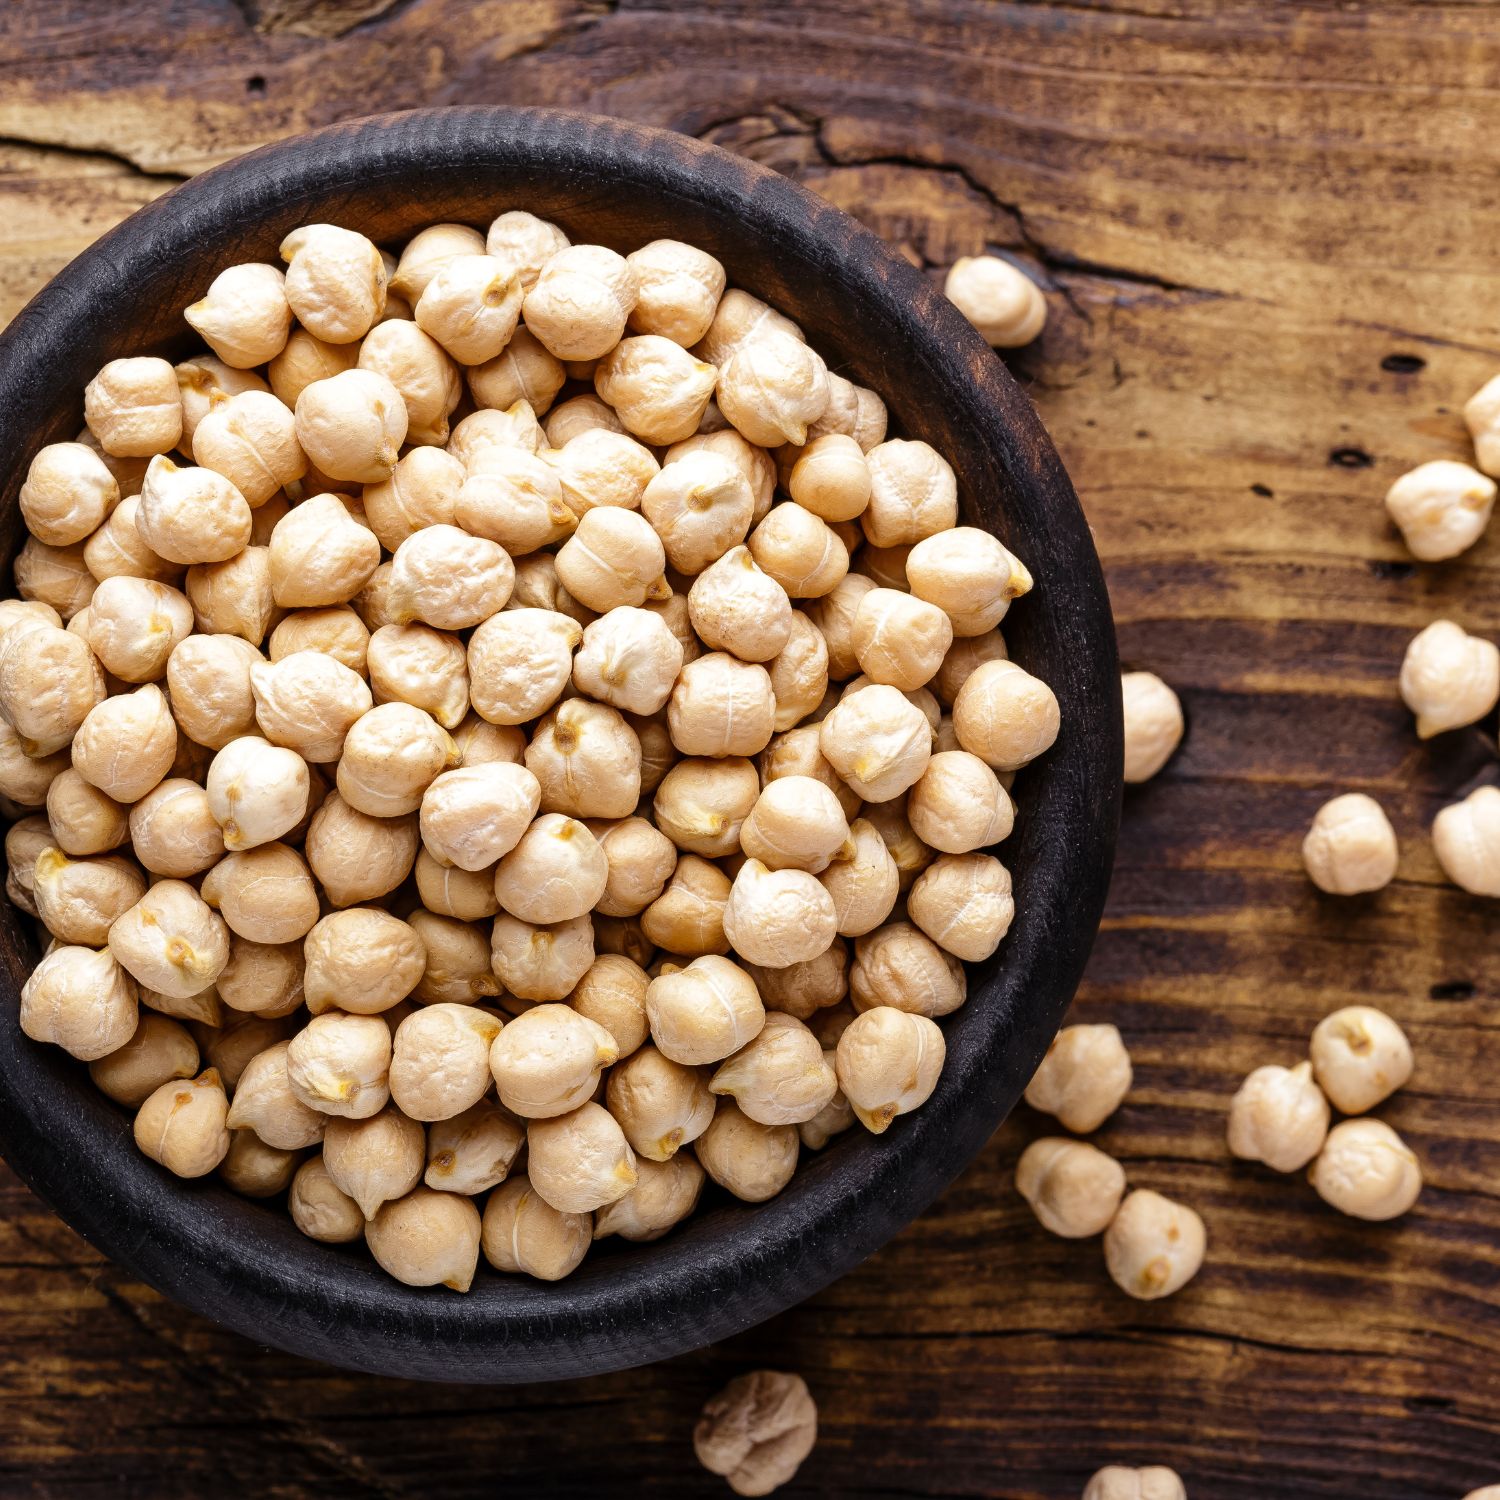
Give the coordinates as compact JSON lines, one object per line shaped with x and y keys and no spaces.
{"x":519,"y":662}
{"x":352,"y":425}
{"x":877,"y":741}
{"x":427,"y":1239}
{"x":422,"y":490}
{"x":679,"y":287}
{"x":750,"y":1160}
{"x":969,"y":575}
{"x":321,"y":554}
{"x":466,"y":896}
{"x":913,"y":494}
{"x":721,"y":706}
{"x":335,"y":282}
{"x":1350,"y":847}
{"x":665,"y":1193}
{"x":734,"y":606}
{"x":419,"y":368}
{"x":797,"y":753}
{"x":391,"y":756}
{"x":457,"y":964}
{"x":339,"y":1065}
{"x":1367,"y":1171}
{"x":374,"y":1161}
{"x":257,"y":791}
{"x":126,"y":744}
{"x":657,"y":389}
{"x":308,"y":702}
{"x":427,"y":252}
{"x":244,"y":317}
{"x":688,"y":917}
{"x":704,"y":1012}
{"x":1441,"y":508}
{"x":251,"y":439}
{"x":801,"y":990}
{"x":1005,"y":716}
{"x":470,"y":305}
{"x":24,"y":780}
{"x":1360,"y":1056}
{"x":441,"y":1063}
{"x":1154,"y":1482}
{"x":701,"y":804}
{"x":265,"y":894}
{"x":116,"y":549}
{"x":171,"y":941}
{"x":1279,"y":1116}
{"x":81,"y":1000}
{"x":701,"y":505}
{"x":602,"y":468}
{"x":963,"y":902}
{"x":834,"y":616}
{"x":1153,"y":1246}
{"x":540,"y":963}
{"x":78,"y":899}
{"x":56,"y":576}
{"x":473,"y":1151}
{"x":159,"y":1051}
{"x":658,"y":753}
{"x":173,"y":831}
{"x":181,"y":1125}
{"x":771,"y":388}
{"x":1083,"y":1078}
{"x":1449,"y":678}
{"x":421,"y":667}
{"x":779,"y":1077}
{"x":660,"y":1105}
{"x":757,"y":466}
{"x":741,"y":319}
{"x":630,"y":659}
{"x":473,"y":815}
{"x":363,"y":960}
{"x":579,"y":302}
{"x":612,"y":992}
{"x":574,"y":418}
{"x":556,"y":872}
{"x":1154,"y":725}
{"x":588,"y":761}
{"x":799,"y":673}
{"x":910,"y":855}
{"x":831,"y":478}
{"x":998,"y":298}
{"x":523,"y":1232}
{"x":482,"y":743}
{"x":264,"y":1102}
{"x":1073,"y":1188}
{"x":234,"y":597}
{"x":796,"y":823}
{"x":1466,"y":840}
{"x":133,"y":627}
{"x":25,"y":839}
{"x":190,"y":515}
{"x":548,"y":1061}
{"x":28,"y":612}
{"x":449,"y":579}
{"x":50,"y":682}
{"x":306,"y":359}
{"x":899,"y":640}
{"x":255,"y":1170}
{"x":957,"y":805}
{"x":579,"y":1161}
{"x":133,"y":409}
{"x":83,"y":820}
{"x":524,"y":242}
{"x":262,"y":980}
{"x":778,"y":917}
{"x":68,"y":493}
{"x":1482,"y":418}
{"x":208,"y":677}
{"x":613,"y":559}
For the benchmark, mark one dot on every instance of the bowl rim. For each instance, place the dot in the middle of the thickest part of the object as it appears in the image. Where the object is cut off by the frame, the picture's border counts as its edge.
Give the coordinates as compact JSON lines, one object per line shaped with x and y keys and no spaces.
{"x":227,"y":1260}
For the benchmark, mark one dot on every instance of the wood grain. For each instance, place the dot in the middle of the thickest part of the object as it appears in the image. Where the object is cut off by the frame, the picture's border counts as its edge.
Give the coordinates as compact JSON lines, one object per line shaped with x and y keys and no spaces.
{"x":1267,"y":231}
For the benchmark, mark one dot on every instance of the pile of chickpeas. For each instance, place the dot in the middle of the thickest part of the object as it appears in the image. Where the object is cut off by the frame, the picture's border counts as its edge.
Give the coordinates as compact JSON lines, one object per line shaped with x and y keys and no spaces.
{"x":501,"y":738}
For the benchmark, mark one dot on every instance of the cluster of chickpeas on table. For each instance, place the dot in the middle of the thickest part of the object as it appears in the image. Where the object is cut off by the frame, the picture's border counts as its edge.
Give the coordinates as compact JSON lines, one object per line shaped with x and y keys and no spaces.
{"x":438,"y":789}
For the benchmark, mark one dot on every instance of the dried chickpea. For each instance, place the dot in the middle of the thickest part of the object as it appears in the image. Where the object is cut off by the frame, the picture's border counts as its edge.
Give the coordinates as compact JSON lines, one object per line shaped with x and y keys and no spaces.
{"x":888,"y":1062}
{"x":797,"y":753}
{"x":480,"y":434}
{"x":833,"y":1119}
{"x":265,"y":894}
{"x":735,"y":606}
{"x":678,"y":290}
{"x":81,"y":1000}
{"x":899,"y":640}
{"x":522,"y":371}
{"x":251,"y":439}
{"x":190,"y":515}
{"x":133,"y":627}
{"x":422,"y":490}
{"x":391,"y":756}
{"x":466,"y":896}
{"x":612,"y":992}
{"x":579,"y":1161}
{"x":1005,"y":716}
{"x":208,"y":677}
{"x":472,"y":1151}
{"x":519,"y":662}
{"x":963,"y":902}
{"x":877,"y":741}
{"x":701,"y":804}
{"x":629,"y":658}
{"x":660,"y":1105}
{"x":548,"y":1061}
{"x":957,"y":805}
{"x":771,"y":388}
{"x":427,"y":1239}
{"x":556,"y":871}
{"x":885,"y":567}
{"x":457,"y":963}
{"x":750,"y":1160}
{"x":377,"y":1160}
{"x":657,"y":389}
{"x":1351,"y":846}
{"x":470,"y":305}
{"x":658,"y":753}
{"x":969,"y":575}
{"x":1449,"y":678}
{"x":339,"y":1064}
{"x":688,"y":917}
{"x":665,"y":1193}
{"x":56,"y":576}
{"x":834,"y":615}
{"x":613,"y":559}
{"x":133,"y":409}
{"x":170,"y":941}
{"x":25,"y":839}
{"x":701,"y":505}
{"x":159,"y":1051}
{"x":352,"y":425}
{"x":1073,"y":1188}
{"x":308,"y":702}
{"x":472,"y":816}
{"x":440,"y":1066}
{"x":50,"y":682}
{"x":801,"y":990}
{"x":234,"y":597}
{"x":1154,"y":1482}
{"x":901,"y":967}
{"x":482,"y":743}
{"x":1466,"y":840}
{"x":998,"y":298}
{"x":1153,"y":1246}
{"x":264,"y":1102}
{"x":202,"y":383}
{"x":780,"y":1076}
{"x":704,"y":1012}
{"x":778,"y":917}
{"x":1279,"y":1116}
{"x":181,"y":1125}
{"x":83,"y":820}
{"x":361,"y":959}
{"x":263,"y":980}
{"x":913,"y":494}
{"x":754,"y":463}
{"x":741,"y":319}
{"x":449,"y":579}
{"x":419,"y":368}
{"x":523,"y":1232}
{"x":422,"y":668}
{"x":540,"y":963}
{"x":600,"y":467}
{"x":575,"y":417}
{"x":255,"y":1170}
{"x":796,"y":823}
{"x":757,"y":1431}
{"x":721,"y":706}
{"x":579,"y":302}
{"x":335,"y":282}
{"x":1083,"y":1078}
{"x":799,"y":551}
{"x":306,"y":360}
{"x":78,"y":899}
{"x":1360,"y":1056}
{"x":24,"y":780}
{"x":587,"y":760}
{"x":799,"y":673}
{"x":1441,"y":508}
{"x":27,"y":612}
{"x":1153,"y":723}
{"x":257,"y":791}
{"x":68,"y":493}
{"x":1367,"y":1171}
{"x":831,"y":478}
{"x":126,"y":744}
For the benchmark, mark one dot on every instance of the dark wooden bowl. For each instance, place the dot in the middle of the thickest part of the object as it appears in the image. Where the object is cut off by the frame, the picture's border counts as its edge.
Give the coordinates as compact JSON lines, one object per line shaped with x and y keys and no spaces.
{"x":873,"y":317}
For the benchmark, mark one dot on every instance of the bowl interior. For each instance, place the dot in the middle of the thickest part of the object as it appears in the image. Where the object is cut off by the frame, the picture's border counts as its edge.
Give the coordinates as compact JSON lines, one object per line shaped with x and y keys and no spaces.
{"x":876,"y":320}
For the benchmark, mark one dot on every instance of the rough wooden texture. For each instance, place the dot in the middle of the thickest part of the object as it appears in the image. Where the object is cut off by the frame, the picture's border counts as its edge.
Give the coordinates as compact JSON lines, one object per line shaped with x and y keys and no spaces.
{"x":1269,"y":232}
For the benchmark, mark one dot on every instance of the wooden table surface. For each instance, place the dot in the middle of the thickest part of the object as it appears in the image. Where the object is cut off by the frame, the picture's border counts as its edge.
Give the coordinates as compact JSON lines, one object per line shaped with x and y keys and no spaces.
{"x":1269,"y":235}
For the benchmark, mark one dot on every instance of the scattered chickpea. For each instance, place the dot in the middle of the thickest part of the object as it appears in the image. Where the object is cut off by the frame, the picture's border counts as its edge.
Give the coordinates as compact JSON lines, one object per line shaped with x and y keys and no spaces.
{"x":1351,"y":846}
{"x":757,"y":1431}
{"x":1441,"y":508}
{"x":1153,"y":1246}
{"x":1367,"y":1171}
{"x":1083,"y":1078}
{"x":998,"y":298}
{"x":1279,"y":1116}
{"x":1073,"y":1188}
{"x":1153,"y":724}
{"x":1360,"y":1056}
{"x":1466,"y":840}
{"x":182,"y":1126}
{"x":1154,"y":1482}
{"x":1449,"y":678}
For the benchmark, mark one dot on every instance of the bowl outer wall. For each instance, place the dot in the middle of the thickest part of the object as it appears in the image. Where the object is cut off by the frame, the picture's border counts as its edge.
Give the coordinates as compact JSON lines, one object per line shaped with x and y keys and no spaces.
{"x":875,"y":318}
